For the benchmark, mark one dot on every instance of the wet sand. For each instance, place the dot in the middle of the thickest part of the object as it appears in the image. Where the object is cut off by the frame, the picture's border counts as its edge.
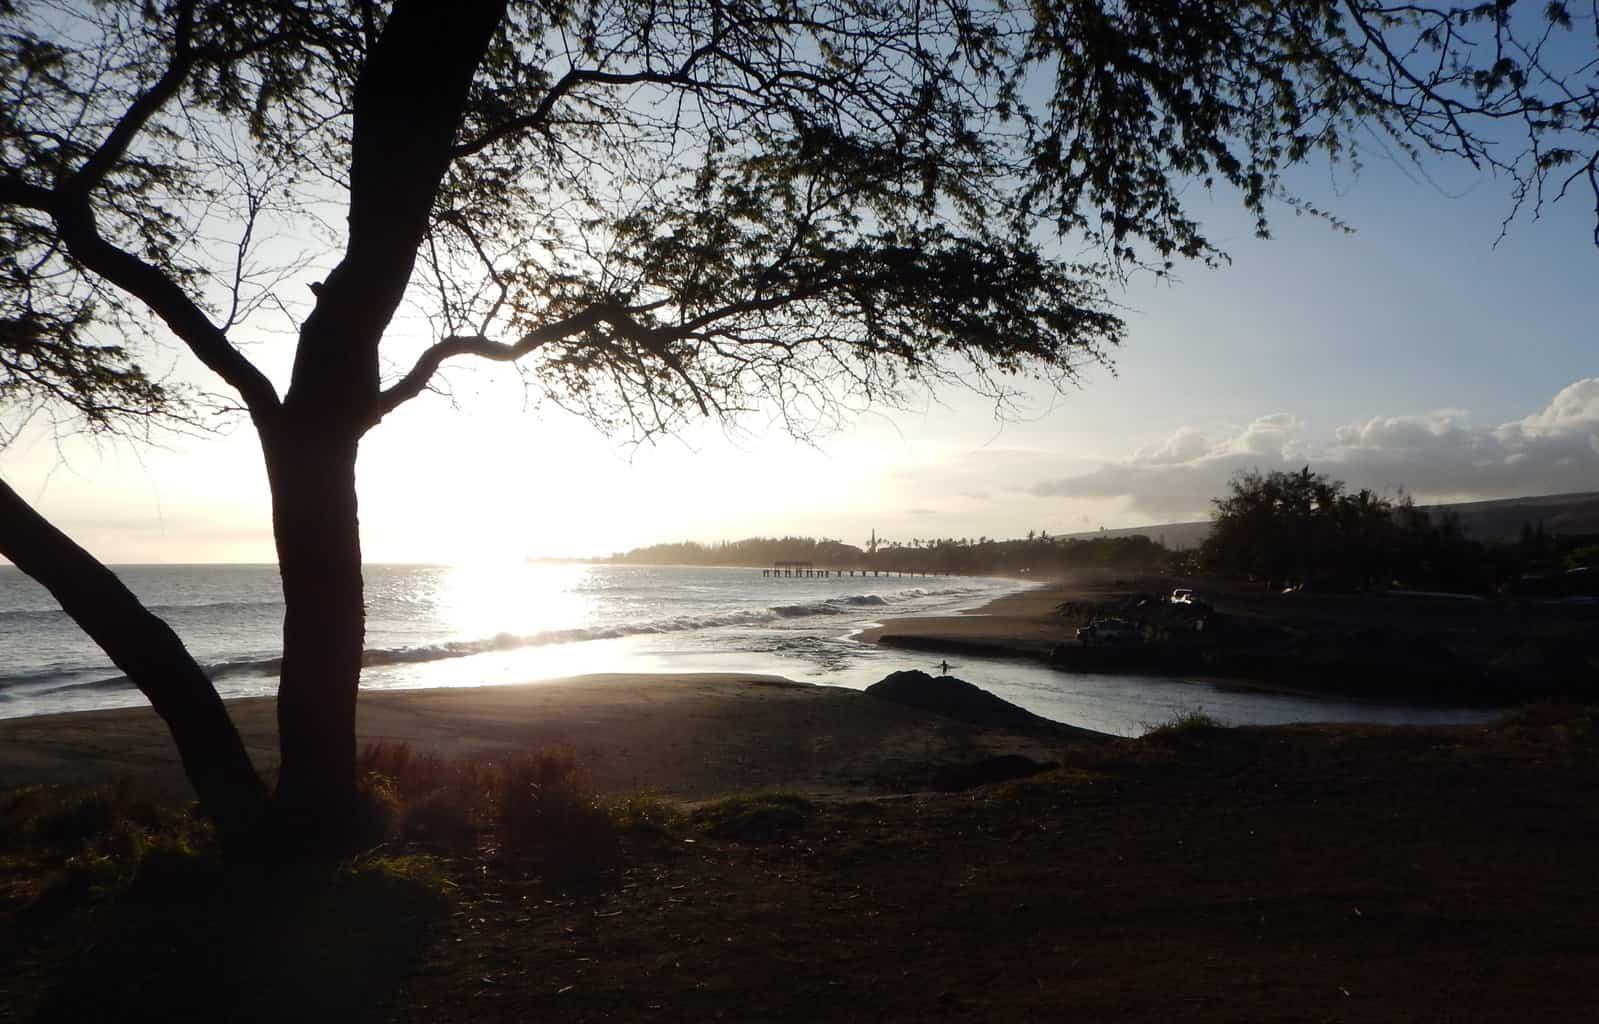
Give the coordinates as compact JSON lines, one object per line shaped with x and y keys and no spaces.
{"x":1017,"y":625}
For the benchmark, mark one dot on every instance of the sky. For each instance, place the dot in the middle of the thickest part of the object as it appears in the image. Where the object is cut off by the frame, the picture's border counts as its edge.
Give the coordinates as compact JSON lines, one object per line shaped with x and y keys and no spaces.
{"x":1421,"y":352}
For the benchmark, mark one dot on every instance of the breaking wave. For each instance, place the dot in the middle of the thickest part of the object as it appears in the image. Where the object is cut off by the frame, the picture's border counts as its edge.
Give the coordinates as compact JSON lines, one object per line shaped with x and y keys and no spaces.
{"x":375,"y":657}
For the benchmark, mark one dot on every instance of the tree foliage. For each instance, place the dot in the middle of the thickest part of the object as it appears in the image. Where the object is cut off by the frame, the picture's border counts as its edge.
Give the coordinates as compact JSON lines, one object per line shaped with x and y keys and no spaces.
{"x":1037,"y":554}
{"x":704,"y":206}
{"x":1303,"y":528}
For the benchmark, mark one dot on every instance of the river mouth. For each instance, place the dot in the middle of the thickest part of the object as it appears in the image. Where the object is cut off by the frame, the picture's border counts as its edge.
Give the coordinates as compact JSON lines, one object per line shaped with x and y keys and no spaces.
{"x":1116,"y":704}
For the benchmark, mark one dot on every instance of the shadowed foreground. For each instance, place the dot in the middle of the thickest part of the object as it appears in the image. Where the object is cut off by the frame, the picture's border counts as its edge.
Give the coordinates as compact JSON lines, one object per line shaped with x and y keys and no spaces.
{"x":1302,"y":873}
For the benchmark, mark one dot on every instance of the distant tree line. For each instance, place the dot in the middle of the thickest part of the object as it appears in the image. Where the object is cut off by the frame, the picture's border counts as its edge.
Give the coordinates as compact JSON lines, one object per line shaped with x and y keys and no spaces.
{"x":1038,"y":553}
{"x":1302,"y":528}
{"x":1278,"y":529}
{"x":762,"y":551}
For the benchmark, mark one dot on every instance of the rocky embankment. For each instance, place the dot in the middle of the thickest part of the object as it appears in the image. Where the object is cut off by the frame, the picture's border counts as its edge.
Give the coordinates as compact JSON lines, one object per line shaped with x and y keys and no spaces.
{"x":1463,"y":651}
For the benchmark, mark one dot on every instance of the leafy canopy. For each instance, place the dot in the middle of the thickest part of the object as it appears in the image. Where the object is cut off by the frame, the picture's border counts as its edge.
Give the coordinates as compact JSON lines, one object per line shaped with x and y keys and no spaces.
{"x":706,"y":206}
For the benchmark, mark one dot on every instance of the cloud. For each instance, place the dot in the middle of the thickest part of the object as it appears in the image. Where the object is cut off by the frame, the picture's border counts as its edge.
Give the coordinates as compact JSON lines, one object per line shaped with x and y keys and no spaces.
{"x":1435,"y":456}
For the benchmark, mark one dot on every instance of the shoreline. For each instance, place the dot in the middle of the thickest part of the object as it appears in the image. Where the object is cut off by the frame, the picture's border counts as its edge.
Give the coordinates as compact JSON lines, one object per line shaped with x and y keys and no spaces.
{"x":500,"y":654}
{"x":689,"y":737}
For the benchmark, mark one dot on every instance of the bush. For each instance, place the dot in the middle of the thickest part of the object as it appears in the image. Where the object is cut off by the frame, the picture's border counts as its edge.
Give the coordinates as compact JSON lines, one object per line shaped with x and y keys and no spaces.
{"x":538,"y":805}
{"x":1183,"y":723}
{"x":58,"y":821}
{"x":546,"y":811}
{"x":424,"y":798}
{"x":757,"y":818}
{"x":645,"y":812}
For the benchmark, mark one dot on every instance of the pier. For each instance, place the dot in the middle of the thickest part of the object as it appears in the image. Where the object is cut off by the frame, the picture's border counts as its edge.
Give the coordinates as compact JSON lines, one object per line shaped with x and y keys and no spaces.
{"x":807,"y":570}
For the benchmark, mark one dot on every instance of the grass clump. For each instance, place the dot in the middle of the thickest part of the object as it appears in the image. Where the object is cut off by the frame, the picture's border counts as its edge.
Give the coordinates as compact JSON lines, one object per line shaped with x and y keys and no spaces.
{"x":546,"y":811}
{"x":756,"y":818}
{"x":537,"y":806}
{"x":647,"y":813}
{"x":68,"y":849}
{"x":1184,"y":723}
{"x":420,"y":797}
{"x":62,"y":821}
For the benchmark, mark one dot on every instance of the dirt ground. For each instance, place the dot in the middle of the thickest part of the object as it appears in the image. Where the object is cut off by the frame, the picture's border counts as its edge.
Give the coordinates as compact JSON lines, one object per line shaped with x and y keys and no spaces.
{"x":1303,"y":874}
{"x":1287,"y":874}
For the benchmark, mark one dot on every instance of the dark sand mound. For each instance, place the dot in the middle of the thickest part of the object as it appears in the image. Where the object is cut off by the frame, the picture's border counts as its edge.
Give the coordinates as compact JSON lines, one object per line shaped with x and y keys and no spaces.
{"x":958,"y":699}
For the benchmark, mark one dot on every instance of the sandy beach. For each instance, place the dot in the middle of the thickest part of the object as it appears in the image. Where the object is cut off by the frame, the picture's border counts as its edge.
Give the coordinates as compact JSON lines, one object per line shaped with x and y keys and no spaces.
{"x":1021,"y":624}
{"x":689,"y":737}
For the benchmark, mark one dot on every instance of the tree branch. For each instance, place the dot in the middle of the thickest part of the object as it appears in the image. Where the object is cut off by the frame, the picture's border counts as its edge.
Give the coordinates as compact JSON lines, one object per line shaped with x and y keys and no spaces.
{"x":428,"y":363}
{"x":401,"y":134}
{"x":100,"y":162}
{"x":536,"y":118}
{"x":75,"y":221}
{"x":146,"y":649}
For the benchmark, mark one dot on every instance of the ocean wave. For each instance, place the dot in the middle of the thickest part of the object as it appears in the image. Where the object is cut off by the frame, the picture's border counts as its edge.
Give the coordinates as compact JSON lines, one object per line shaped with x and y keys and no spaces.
{"x":43,"y":674}
{"x":31,"y":614}
{"x":383,"y":656}
{"x":25,"y":615}
{"x":218,"y":606}
{"x":106,"y":683}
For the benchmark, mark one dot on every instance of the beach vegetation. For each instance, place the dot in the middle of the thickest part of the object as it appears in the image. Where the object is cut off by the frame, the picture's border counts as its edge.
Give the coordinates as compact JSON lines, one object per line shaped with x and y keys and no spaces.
{"x":95,"y":821}
{"x":546,"y":812}
{"x":115,"y":905}
{"x":648,"y":813}
{"x":713,"y":209}
{"x":755,"y":817}
{"x":1185,"y":722}
{"x":537,"y":805}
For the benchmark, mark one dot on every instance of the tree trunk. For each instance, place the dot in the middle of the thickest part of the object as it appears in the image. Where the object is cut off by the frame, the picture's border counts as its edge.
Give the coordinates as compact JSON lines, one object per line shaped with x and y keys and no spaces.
{"x":150,"y":654}
{"x":315,"y":522}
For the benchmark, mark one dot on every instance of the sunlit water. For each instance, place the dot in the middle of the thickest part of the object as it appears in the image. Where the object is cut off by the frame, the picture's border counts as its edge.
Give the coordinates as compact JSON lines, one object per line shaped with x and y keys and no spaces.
{"x":489,"y":625}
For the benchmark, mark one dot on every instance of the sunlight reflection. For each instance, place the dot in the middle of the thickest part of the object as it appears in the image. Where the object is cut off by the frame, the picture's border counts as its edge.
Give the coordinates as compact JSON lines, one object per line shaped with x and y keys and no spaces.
{"x":483,"y":599}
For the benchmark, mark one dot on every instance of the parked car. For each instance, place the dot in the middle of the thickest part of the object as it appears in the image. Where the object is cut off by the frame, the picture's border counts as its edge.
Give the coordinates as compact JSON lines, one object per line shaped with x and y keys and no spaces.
{"x":1108,"y":631}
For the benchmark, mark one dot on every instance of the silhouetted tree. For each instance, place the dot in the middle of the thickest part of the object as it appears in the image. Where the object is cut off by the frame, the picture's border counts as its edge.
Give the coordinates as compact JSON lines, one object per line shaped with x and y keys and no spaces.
{"x":1280,"y":528}
{"x":656,"y":210}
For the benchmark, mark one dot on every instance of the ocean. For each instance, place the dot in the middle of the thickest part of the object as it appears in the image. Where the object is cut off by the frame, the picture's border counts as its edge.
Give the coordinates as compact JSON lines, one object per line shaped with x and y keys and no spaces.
{"x":484,"y":625}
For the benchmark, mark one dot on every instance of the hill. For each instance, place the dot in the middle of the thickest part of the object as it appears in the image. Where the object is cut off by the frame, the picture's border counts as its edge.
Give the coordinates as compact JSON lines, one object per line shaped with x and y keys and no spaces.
{"x":1502,"y":519}
{"x":1494,"y":520}
{"x":1175,"y":536}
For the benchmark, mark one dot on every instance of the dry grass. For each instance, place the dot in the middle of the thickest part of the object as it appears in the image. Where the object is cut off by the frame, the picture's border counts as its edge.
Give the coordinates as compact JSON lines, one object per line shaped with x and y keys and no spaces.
{"x":756,"y":817}
{"x":534,"y":806}
{"x":1184,"y":722}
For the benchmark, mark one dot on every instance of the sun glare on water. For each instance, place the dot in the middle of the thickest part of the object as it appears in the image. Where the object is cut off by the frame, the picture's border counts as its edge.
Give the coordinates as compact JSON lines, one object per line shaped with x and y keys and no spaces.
{"x":487,"y":598}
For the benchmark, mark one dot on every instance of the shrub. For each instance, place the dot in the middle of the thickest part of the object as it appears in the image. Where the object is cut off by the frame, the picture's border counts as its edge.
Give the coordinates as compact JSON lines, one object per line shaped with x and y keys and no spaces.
{"x":546,"y":811}
{"x":645,"y":812}
{"x":756,"y":818}
{"x":444,"y":819}
{"x":74,"y":820}
{"x":1185,"y":722}
{"x":538,"y":806}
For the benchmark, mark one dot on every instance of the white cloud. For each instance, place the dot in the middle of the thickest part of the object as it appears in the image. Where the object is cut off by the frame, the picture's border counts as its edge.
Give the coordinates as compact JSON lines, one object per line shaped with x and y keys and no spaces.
{"x":1435,"y":456}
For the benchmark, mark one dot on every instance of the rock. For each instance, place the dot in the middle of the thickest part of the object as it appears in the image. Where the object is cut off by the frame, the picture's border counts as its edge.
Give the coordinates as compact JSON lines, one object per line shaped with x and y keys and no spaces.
{"x":958,"y":699}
